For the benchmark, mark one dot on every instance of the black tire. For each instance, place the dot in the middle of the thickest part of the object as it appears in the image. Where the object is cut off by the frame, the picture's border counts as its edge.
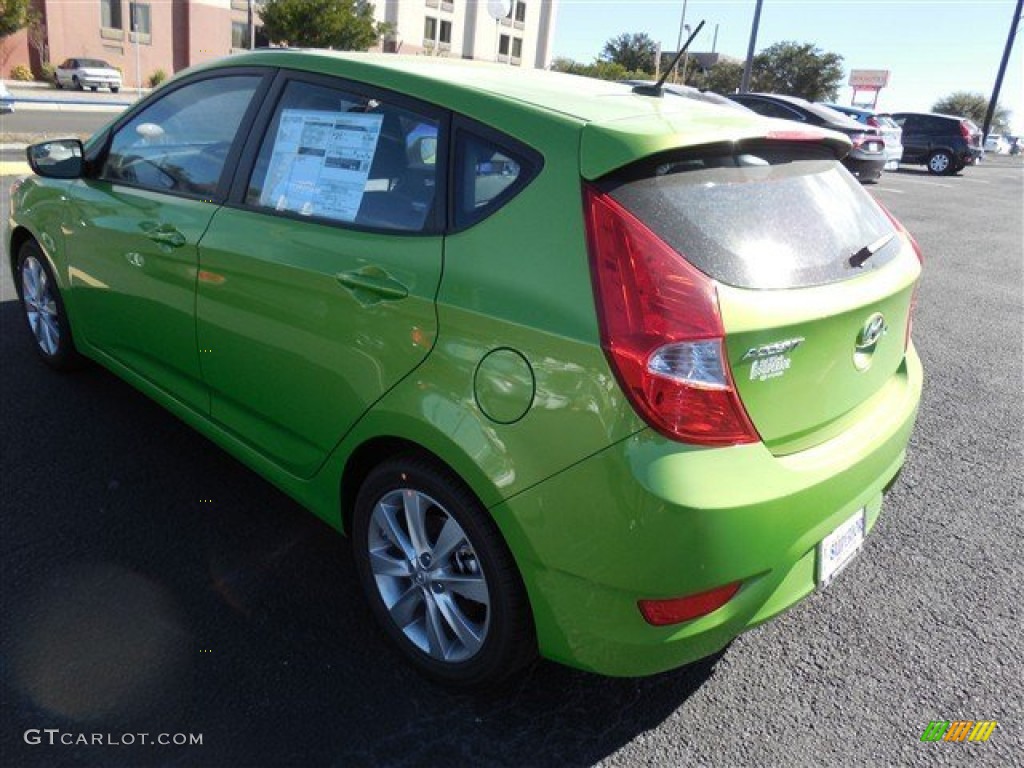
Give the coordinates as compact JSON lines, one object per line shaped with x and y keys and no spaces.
{"x":94,"y":88}
{"x":59,"y":353}
{"x":507,"y":631}
{"x":76,"y":83}
{"x":940,"y":163}
{"x":56,"y":82}
{"x":114,"y":89}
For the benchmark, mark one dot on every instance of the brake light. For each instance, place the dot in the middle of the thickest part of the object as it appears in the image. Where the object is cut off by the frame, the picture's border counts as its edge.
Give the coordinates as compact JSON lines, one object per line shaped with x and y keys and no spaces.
{"x":873,"y":122}
{"x":661,"y":330}
{"x":920,"y":258}
{"x":679,"y":609}
{"x":965,"y":130}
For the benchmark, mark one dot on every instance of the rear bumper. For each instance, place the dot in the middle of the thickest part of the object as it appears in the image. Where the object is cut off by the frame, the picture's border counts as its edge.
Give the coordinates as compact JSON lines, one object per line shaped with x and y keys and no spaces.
{"x":649,"y":518}
{"x":865,"y":168}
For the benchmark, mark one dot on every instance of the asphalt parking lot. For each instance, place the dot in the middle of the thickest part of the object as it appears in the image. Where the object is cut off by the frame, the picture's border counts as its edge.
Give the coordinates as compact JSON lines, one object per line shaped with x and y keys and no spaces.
{"x":153,"y":585}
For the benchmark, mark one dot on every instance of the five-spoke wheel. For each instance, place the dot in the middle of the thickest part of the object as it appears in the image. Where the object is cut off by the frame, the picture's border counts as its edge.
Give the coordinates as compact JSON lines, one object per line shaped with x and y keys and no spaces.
{"x":44,"y":310}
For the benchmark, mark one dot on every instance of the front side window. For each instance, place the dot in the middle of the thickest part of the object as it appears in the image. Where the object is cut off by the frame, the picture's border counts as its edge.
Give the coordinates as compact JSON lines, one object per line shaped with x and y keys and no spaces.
{"x":348,"y":158}
{"x":180,"y":143}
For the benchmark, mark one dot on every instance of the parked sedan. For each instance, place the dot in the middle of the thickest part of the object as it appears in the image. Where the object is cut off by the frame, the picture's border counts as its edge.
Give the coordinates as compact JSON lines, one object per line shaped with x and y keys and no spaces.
{"x":867,"y":157}
{"x":891,"y":133}
{"x":534,"y":341}
{"x":997,"y":144}
{"x":87,"y":73}
{"x":6,"y":100}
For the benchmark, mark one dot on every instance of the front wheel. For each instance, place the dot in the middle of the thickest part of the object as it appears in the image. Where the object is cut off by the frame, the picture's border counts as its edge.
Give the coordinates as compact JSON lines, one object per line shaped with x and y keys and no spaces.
{"x":940,"y":163}
{"x":438,"y":575}
{"x":44,"y":310}
{"x":114,"y":89}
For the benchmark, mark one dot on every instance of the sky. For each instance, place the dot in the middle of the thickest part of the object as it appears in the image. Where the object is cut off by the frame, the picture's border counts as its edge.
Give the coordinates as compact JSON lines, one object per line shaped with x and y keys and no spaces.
{"x":931,"y":47}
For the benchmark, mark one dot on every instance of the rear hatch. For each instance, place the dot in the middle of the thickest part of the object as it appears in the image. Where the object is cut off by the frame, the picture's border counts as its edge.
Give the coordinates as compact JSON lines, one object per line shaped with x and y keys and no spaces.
{"x":814,"y":281}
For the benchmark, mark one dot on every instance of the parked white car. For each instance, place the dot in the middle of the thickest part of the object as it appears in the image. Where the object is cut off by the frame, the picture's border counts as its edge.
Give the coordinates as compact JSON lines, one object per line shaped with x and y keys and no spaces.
{"x":6,"y":100}
{"x":997,"y":144}
{"x":87,"y":73}
{"x":891,"y":132}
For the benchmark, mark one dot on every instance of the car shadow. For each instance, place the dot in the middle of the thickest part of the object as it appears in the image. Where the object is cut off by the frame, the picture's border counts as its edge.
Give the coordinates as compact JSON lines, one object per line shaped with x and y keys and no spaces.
{"x":153,"y":585}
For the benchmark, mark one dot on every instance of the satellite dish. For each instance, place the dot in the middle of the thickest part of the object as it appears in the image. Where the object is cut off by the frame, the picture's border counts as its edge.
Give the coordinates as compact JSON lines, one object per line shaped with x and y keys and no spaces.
{"x":498,"y":9}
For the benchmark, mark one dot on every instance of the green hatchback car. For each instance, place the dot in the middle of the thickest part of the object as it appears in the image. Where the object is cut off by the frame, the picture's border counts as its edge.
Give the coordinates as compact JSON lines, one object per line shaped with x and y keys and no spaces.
{"x":579,"y":369}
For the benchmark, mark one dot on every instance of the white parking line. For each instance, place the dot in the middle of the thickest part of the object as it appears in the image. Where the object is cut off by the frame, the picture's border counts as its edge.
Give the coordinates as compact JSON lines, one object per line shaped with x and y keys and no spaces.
{"x":919,"y":181}
{"x":890,"y":189}
{"x":975,"y":181}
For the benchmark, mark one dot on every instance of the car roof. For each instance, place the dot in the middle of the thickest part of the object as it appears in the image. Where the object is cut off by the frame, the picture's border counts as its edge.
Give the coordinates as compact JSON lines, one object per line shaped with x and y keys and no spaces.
{"x":619,"y":126}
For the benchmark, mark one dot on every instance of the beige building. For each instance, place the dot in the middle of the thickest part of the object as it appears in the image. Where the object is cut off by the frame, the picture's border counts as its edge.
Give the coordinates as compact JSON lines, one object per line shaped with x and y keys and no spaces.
{"x":143,"y":37}
{"x":465,"y":29}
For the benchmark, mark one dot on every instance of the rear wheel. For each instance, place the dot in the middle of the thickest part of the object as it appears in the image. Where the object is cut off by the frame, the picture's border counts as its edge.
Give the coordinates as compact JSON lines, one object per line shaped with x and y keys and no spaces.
{"x":76,"y":83}
{"x":56,"y":82}
{"x":44,"y":310}
{"x":940,"y":163}
{"x":94,"y":88}
{"x":114,"y":89}
{"x":438,"y":575}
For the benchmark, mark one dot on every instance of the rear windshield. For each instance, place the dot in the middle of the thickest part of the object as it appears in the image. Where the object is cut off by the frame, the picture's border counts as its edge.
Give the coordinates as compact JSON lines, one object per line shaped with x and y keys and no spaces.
{"x":93,"y":63}
{"x":762,"y":215}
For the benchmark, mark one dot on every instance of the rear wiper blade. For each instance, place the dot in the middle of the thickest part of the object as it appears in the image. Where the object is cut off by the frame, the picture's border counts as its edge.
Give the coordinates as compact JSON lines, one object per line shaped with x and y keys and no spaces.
{"x":865,"y":253}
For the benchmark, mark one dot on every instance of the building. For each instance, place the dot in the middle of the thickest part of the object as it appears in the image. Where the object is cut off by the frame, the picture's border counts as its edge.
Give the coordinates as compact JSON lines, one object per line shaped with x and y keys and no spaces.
{"x":465,"y":29}
{"x":137,"y":37}
{"x":143,"y":37}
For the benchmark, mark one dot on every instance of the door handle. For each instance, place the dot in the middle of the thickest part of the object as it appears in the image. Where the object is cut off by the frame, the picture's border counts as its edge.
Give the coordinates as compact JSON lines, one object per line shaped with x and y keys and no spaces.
{"x":372,"y":284}
{"x":165,"y":234}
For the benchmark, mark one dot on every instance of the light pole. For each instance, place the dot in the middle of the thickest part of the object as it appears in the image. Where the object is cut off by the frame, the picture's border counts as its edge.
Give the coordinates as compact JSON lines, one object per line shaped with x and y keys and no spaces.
{"x":686,"y":58}
{"x":745,"y":82}
{"x":679,"y":39}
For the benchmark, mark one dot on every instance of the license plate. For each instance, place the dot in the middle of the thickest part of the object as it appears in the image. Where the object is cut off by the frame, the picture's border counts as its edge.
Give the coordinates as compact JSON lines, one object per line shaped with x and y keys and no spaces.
{"x":838,"y":548}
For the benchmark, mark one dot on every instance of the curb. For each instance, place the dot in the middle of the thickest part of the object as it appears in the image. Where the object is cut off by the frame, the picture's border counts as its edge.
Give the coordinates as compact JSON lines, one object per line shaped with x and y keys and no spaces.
{"x":34,"y":105}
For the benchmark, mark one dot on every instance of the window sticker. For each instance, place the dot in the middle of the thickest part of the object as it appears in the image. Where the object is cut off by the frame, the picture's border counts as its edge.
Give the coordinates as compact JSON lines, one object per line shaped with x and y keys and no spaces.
{"x":320,"y":162}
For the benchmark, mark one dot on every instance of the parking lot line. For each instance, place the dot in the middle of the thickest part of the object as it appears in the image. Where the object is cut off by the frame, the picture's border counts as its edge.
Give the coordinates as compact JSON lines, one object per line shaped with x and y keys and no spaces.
{"x":890,"y":189}
{"x":929,"y":183}
{"x":975,"y":181}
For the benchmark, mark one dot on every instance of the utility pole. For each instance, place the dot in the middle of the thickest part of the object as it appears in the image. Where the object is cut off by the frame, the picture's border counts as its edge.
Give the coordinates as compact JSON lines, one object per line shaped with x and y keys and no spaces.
{"x":679,"y":39}
{"x":745,"y":82}
{"x":252,"y":28}
{"x":1002,"y":70}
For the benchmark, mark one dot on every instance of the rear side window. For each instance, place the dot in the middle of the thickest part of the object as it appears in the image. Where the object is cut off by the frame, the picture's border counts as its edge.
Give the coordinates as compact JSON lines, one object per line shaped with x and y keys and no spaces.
{"x":762,"y":215}
{"x":490,"y":169}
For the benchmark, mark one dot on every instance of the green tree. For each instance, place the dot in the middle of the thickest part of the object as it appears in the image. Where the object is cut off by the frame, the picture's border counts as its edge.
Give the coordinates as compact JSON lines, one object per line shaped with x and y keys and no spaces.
{"x":345,"y":25}
{"x":798,"y":69}
{"x":14,"y":15}
{"x":723,"y":77}
{"x":634,"y":52}
{"x":973,"y":106}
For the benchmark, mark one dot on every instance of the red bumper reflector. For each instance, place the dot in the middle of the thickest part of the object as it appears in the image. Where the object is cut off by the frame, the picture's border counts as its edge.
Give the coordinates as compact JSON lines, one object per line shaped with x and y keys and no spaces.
{"x":676,"y":610}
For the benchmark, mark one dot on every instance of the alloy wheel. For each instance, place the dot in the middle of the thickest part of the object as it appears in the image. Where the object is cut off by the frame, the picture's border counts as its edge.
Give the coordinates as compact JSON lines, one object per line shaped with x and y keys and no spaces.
{"x":40,"y":305}
{"x":428,"y":575}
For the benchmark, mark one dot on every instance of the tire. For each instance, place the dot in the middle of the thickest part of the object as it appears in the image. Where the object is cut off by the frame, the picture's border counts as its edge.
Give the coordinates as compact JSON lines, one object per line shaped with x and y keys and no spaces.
{"x":76,"y":83}
{"x":114,"y":89}
{"x":43,"y":309}
{"x":438,"y":575}
{"x":940,"y":163}
{"x":56,"y":82}
{"x":94,"y":88}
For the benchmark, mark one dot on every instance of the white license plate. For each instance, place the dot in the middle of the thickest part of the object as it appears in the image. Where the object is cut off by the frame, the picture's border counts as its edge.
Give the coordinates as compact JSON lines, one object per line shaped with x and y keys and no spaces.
{"x":838,"y":548}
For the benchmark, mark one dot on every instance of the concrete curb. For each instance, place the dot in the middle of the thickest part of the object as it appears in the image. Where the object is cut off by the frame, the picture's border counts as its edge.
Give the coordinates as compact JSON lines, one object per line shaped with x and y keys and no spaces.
{"x":33,"y":105}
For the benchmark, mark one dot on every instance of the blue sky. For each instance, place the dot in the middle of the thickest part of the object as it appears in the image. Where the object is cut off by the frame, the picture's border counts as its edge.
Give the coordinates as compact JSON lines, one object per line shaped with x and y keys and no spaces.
{"x":931,"y":47}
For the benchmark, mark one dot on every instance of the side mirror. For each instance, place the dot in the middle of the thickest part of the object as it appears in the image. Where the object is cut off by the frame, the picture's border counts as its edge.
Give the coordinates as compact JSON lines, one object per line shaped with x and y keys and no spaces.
{"x":58,"y":159}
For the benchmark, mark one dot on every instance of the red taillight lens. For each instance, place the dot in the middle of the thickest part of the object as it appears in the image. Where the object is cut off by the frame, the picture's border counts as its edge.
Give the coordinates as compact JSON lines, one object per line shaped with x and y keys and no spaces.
{"x":661,"y":330}
{"x":920,"y":257}
{"x":679,"y":609}
{"x":965,"y":130}
{"x":873,"y":122}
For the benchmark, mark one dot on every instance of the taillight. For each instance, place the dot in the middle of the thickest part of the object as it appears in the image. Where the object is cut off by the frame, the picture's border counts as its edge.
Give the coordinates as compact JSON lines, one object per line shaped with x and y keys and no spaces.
{"x":676,"y":610}
{"x":965,"y":130}
{"x":920,"y":258}
{"x":661,"y":330}
{"x":873,"y":122}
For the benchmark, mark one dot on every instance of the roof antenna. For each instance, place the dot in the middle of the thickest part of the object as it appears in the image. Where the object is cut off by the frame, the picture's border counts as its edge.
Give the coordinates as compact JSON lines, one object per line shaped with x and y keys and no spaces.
{"x":655,"y":90}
